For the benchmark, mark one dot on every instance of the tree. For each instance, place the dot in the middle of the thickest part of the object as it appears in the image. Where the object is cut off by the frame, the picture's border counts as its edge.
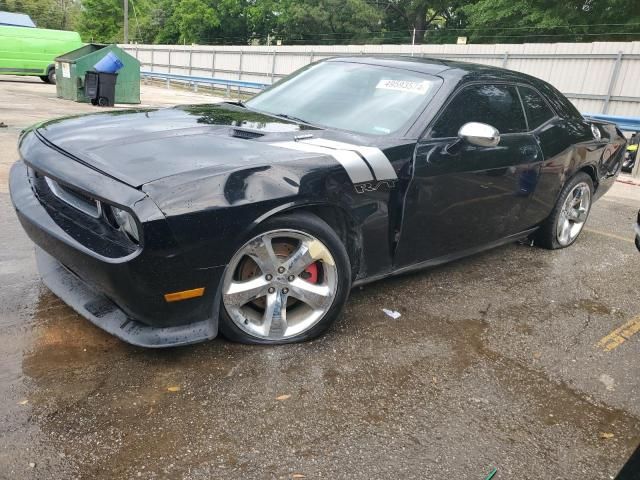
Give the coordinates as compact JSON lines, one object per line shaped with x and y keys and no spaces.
{"x":195,"y":19}
{"x":339,"y":21}
{"x":517,"y":21}
{"x":403,"y":16}
{"x":326,"y":21}
{"x":101,"y":21}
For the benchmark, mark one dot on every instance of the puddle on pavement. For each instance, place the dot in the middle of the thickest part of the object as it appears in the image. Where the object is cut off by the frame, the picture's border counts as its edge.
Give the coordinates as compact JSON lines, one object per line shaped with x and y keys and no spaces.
{"x":103,"y":409}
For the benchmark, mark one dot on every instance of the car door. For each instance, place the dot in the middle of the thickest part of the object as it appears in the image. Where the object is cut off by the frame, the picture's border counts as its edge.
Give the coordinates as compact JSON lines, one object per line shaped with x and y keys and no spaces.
{"x":552,"y":134}
{"x":462,"y":196}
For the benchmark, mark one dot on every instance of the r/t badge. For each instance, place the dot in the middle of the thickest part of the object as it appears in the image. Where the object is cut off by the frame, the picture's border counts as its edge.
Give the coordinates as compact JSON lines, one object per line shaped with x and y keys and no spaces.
{"x":374,"y":186}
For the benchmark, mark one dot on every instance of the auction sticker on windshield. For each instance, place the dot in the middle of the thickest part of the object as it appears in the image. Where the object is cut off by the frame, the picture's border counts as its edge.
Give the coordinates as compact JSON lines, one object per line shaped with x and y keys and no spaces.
{"x":404,"y":86}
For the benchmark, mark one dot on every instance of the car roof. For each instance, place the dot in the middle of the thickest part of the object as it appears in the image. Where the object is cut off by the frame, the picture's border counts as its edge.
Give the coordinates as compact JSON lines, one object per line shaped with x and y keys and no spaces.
{"x":430,"y":66}
{"x":438,"y":66}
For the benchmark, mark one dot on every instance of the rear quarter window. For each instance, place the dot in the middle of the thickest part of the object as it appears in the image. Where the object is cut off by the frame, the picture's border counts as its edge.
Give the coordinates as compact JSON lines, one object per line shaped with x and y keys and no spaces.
{"x":535,"y":107}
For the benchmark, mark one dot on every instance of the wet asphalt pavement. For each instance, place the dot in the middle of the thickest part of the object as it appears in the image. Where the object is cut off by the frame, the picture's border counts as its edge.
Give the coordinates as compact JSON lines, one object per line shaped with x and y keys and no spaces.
{"x":495,"y":362}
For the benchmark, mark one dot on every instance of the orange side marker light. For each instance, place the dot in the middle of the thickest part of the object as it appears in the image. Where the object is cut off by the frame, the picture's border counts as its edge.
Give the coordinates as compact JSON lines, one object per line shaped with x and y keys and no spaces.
{"x":184,"y":295}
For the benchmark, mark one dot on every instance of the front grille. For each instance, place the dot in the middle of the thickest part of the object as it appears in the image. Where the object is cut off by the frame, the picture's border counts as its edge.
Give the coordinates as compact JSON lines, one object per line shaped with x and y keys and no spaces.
{"x":80,"y":216}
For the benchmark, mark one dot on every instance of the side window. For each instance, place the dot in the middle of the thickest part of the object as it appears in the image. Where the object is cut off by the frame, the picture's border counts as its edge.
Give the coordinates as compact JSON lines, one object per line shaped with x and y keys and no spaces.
{"x":495,"y":105}
{"x":535,"y":107}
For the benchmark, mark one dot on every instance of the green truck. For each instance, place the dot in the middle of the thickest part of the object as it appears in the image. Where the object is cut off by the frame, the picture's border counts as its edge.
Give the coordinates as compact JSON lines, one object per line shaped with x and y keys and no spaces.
{"x":31,"y":51}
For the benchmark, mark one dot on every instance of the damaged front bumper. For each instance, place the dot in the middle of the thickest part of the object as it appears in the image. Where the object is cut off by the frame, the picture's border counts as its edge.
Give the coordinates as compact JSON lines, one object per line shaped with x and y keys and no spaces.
{"x":124,"y":295}
{"x":106,"y":315}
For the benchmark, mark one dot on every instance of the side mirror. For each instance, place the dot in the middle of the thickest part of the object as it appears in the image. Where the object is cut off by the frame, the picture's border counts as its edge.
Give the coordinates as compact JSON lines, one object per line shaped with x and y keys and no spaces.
{"x":479,"y":134}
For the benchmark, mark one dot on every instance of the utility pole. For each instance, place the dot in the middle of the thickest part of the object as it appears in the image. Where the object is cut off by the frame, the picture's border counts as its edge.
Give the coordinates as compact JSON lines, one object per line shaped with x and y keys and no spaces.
{"x":413,"y":40}
{"x":126,"y":21}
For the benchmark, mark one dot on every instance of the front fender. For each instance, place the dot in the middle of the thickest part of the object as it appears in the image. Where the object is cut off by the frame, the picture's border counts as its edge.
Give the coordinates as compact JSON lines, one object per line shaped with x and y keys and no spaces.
{"x":211,"y":217}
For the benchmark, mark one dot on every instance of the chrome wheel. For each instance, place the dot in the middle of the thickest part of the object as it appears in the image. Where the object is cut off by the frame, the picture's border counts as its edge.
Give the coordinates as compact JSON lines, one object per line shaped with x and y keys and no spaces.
{"x":573,"y":214}
{"x":279,"y":284}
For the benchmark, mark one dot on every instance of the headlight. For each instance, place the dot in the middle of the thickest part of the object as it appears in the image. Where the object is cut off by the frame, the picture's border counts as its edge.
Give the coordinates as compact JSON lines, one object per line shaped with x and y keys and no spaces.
{"x":126,"y":223}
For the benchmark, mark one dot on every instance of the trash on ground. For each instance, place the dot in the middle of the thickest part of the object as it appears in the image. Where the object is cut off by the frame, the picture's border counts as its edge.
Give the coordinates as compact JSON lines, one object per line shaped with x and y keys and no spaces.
{"x":606,"y":435}
{"x":283,"y":397}
{"x":392,"y":313}
{"x":173,"y":389}
{"x":608,"y":381}
{"x":493,"y":472}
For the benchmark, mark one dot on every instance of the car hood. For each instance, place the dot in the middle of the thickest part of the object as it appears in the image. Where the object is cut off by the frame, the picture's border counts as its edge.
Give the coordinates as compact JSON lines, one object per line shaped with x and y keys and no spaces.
{"x":140,"y":146}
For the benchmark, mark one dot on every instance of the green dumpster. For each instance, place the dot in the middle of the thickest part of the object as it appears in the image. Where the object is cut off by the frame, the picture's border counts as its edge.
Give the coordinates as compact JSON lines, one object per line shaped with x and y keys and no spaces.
{"x":71,"y":67}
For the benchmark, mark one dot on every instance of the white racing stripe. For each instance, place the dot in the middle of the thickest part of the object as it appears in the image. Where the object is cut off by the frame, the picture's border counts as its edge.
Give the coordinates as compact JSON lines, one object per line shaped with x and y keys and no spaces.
{"x":355,"y":166}
{"x":378,"y":161}
{"x":358,"y":161}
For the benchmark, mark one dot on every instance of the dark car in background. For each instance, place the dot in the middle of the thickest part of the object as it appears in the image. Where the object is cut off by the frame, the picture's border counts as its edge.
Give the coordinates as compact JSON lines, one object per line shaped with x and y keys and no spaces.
{"x":637,"y":228}
{"x":257,"y":218}
{"x":631,"y":154}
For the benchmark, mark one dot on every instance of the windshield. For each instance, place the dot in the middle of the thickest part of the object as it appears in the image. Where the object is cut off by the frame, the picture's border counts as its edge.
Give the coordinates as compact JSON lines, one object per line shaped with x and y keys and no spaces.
{"x":349,"y":96}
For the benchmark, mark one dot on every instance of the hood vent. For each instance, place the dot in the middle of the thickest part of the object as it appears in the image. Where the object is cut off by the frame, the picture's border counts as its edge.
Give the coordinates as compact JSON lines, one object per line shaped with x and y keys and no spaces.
{"x":246,"y":134}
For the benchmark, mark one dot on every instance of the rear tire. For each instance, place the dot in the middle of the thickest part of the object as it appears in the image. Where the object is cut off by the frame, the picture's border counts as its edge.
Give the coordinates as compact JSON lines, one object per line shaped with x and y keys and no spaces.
{"x":568,"y":217}
{"x":296,"y":305}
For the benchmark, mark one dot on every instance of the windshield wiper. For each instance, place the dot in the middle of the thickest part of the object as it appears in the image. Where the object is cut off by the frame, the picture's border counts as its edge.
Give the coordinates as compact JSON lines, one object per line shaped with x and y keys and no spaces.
{"x":240,"y":103}
{"x":290,"y":117}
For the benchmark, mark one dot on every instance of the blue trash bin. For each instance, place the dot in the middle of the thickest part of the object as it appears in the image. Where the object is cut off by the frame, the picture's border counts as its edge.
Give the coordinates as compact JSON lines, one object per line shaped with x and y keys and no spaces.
{"x":110,"y":63}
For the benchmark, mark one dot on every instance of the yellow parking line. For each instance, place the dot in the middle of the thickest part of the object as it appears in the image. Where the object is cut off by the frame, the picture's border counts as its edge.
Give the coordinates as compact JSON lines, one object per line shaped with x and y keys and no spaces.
{"x":620,"y":335}
{"x":610,"y":235}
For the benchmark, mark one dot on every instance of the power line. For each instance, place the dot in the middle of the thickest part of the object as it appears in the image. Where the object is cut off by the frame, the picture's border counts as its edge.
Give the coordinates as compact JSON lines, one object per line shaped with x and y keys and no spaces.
{"x":399,"y":35}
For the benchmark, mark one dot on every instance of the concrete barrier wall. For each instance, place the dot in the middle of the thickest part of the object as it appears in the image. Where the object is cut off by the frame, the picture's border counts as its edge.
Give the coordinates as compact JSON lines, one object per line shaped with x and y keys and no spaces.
{"x":600,"y":77}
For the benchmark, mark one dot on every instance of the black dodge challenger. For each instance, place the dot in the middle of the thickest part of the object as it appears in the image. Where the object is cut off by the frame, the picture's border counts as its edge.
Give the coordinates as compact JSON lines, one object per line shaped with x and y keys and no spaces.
{"x":257,"y":218}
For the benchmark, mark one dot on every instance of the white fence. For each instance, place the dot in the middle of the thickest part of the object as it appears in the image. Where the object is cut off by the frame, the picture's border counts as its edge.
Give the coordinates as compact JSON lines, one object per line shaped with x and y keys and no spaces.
{"x":601,"y":77}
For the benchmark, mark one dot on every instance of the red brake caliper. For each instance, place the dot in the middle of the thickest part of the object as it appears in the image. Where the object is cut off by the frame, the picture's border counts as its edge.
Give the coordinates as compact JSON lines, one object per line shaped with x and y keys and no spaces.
{"x":311,"y":273}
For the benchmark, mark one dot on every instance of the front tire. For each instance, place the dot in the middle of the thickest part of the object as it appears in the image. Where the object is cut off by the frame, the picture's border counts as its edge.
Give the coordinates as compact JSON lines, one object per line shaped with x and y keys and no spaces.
{"x":567,"y":219}
{"x":288,"y":283}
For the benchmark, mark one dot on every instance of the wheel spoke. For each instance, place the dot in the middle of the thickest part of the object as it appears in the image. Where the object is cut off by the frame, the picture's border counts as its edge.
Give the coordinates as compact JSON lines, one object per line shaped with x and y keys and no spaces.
{"x":261,"y":252}
{"x":299,"y":260}
{"x":574,"y":214}
{"x":579,"y":215}
{"x":316,"y":296}
{"x":274,"y":319}
{"x":241,"y":293}
{"x":562,"y":218}
{"x":565,"y":232}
